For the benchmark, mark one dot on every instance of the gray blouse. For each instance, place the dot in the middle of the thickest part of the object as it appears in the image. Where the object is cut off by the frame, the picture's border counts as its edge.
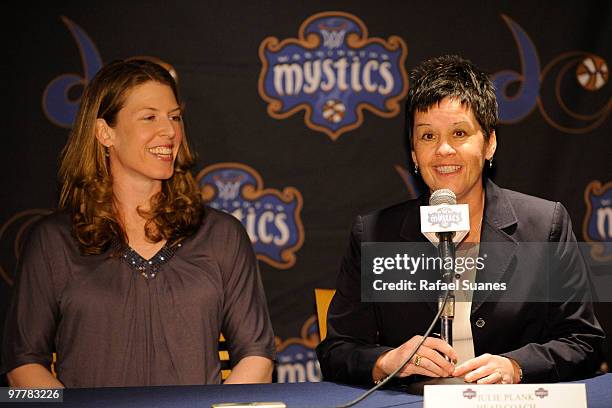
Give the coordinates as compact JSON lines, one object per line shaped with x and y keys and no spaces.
{"x":127,"y":321}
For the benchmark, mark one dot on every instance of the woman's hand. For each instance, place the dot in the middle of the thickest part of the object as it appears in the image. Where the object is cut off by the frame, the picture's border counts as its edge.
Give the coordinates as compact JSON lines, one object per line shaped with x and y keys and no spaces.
{"x":488,"y":369}
{"x":429,"y":359}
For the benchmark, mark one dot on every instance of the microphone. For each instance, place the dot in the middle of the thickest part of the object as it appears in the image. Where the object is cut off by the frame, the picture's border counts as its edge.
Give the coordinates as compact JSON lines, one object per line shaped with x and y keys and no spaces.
{"x":445,"y":223}
{"x":444,"y":215}
{"x":446,"y":247}
{"x":443,"y":196}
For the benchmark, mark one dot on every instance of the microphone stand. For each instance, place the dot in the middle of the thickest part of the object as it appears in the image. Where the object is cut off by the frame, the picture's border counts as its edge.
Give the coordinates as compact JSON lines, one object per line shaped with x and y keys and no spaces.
{"x":446,"y":249}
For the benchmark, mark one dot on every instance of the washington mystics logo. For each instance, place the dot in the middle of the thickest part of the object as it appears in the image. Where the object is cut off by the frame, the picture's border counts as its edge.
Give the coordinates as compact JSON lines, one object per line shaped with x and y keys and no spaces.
{"x":597,"y":227}
{"x":333,"y":72}
{"x":271,"y":217}
{"x":296,"y":357}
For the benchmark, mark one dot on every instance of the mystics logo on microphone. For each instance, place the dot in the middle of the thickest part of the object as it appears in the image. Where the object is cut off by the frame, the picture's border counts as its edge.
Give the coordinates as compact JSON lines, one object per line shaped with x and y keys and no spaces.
{"x":272,"y":218}
{"x":333,"y":72}
{"x":445,"y":217}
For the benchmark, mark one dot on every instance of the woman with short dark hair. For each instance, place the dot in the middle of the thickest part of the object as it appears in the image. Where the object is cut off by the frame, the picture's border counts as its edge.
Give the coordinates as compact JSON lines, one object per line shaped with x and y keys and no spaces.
{"x":452,"y":115}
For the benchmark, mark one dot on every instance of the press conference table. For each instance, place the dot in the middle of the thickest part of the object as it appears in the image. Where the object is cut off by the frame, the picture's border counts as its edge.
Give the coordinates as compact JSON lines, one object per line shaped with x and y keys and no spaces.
{"x":324,"y":394}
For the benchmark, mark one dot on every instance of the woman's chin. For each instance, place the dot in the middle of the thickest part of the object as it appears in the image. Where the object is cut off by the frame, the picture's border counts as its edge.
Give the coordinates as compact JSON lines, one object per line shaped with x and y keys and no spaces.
{"x":162,"y":175}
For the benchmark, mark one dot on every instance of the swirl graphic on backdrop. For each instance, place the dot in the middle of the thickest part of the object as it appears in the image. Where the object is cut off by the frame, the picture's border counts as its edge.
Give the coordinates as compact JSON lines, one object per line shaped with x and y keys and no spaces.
{"x":333,"y":72}
{"x":597,"y":225}
{"x":62,"y":96}
{"x":572,"y":81}
{"x":578,"y":76}
{"x":296,"y":357}
{"x":514,"y":108}
{"x":272,"y":218}
{"x":13,"y":233}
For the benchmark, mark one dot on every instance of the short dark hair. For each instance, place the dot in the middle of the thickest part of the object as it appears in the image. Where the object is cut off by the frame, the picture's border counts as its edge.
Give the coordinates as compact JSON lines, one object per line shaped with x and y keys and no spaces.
{"x":451,"y":76}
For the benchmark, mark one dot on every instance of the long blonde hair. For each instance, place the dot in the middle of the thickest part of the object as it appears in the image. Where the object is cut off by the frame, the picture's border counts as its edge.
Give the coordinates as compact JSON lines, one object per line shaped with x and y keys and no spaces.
{"x":86,"y":183}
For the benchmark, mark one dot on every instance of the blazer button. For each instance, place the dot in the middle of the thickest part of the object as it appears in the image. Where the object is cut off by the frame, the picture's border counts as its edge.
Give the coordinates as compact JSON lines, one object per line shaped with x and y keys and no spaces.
{"x":480,"y":323}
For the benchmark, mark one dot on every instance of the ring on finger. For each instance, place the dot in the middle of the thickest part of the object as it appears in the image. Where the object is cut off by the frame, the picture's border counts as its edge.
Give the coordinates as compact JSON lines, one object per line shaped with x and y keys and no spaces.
{"x":417,"y":360}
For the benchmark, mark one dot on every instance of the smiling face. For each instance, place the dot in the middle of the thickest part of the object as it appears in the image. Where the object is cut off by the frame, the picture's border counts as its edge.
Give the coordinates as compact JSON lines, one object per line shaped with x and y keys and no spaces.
{"x":147,"y":135}
{"x":450,"y":149}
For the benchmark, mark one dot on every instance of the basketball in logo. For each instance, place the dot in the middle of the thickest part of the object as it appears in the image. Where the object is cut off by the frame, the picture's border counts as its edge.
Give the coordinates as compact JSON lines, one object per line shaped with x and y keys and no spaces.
{"x":592,"y":73}
{"x":334,"y":111}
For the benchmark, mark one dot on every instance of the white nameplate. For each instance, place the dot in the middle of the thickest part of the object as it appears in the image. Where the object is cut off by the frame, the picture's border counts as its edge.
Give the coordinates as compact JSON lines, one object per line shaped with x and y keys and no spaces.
{"x":502,"y":396}
{"x":275,"y":404}
{"x":445,"y":218}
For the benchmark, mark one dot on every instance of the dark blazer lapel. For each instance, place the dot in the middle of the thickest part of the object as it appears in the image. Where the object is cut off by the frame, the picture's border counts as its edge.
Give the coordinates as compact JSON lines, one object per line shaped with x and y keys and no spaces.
{"x":498,"y":217}
{"x":411,"y":231}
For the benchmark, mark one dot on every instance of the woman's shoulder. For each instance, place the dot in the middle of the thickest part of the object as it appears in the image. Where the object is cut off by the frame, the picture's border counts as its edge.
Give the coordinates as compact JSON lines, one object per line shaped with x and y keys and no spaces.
{"x":48,"y":232}
{"x":538,"y":219}
{"x":219,"y":222}
{"x":51,"y":225}
{"x":526,"y":199}
{"x":533,"y":206}
{"x":219,"y":232}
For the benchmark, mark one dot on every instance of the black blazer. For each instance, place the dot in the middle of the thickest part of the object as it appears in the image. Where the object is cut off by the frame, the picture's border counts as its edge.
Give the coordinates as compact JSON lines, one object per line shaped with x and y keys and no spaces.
{"x":550,"y":341}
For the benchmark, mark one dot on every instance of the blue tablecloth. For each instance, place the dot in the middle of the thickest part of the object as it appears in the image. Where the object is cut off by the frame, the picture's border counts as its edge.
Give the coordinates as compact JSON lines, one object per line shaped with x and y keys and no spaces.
{"x":324,"y":394}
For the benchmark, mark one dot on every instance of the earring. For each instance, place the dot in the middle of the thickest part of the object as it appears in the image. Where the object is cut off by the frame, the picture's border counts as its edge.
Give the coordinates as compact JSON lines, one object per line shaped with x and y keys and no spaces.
{"x":416,"y":168}
{"x":491,"y":163}
{"x":106,"y":151}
